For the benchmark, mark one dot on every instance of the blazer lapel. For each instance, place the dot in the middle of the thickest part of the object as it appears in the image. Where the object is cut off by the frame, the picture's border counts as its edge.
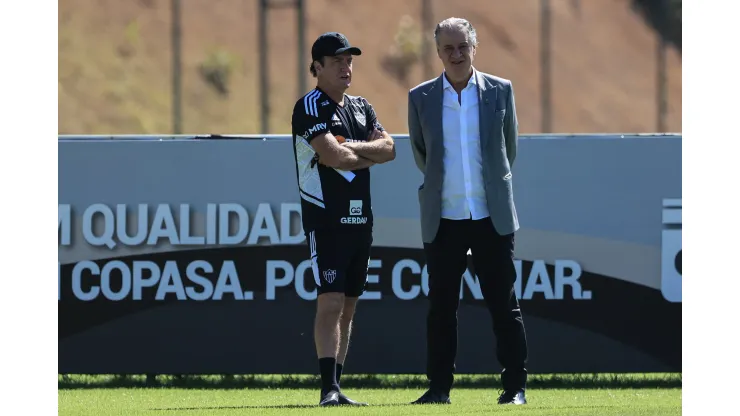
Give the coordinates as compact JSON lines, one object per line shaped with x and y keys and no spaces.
{"x":486,"y":106}
{"x":433,"y":113}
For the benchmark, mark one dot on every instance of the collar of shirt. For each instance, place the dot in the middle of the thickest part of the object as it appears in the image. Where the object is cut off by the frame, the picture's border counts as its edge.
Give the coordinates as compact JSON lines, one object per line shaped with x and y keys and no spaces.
{"x":471,"y":82}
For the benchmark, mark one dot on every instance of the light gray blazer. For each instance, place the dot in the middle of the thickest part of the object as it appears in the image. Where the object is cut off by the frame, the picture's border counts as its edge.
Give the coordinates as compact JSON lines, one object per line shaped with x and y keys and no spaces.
{"x":498,"y":136}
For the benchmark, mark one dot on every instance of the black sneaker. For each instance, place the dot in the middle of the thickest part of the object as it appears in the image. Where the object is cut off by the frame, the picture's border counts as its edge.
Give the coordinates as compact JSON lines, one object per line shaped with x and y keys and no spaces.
{"x":512,"y":397}
{"x":346,"y":400}
{"x":330,"y":399}
{"x":433,"y":397}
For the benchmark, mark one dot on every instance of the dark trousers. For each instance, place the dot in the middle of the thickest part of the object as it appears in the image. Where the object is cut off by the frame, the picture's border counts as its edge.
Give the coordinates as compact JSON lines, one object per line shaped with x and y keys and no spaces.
{"x":493,"y":260}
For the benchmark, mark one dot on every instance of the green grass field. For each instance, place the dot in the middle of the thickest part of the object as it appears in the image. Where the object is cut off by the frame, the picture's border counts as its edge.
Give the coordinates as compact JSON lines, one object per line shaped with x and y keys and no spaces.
{"x":629,"y":394}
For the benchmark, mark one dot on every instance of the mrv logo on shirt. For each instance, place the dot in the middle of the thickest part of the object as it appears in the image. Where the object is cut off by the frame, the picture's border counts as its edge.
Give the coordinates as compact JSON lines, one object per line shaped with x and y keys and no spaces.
{"x":314,"y":129}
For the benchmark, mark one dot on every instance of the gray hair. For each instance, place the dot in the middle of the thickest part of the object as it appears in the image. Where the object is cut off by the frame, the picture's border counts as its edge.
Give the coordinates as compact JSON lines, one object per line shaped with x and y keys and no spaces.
{"x":457,"y":23}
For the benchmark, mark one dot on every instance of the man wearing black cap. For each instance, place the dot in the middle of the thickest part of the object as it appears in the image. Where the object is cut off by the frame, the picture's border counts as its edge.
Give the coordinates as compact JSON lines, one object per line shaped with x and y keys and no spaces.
{"x":337,"y":138}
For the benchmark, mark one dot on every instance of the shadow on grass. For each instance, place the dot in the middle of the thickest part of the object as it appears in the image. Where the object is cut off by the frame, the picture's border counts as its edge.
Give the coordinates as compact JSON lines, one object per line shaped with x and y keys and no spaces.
{"x":365,"y":381}
{"x":283,"y":406}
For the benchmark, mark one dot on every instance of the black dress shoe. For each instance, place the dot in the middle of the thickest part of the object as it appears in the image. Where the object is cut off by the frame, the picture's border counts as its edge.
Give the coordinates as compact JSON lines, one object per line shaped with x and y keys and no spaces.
{"x":512,"y":397}
{"x":347,"y":401}
{"x":433,"y":397}
{"x":331,"y":398}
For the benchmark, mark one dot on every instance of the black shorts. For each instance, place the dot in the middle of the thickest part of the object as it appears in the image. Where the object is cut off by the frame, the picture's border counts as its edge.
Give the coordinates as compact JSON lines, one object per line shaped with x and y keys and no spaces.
{"x":340,"y":260}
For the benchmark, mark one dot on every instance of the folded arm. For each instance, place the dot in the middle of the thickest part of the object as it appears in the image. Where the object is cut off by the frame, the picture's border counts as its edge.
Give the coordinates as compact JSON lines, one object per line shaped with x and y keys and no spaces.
{"x":380,"y":150}
{"x":334,"y":155}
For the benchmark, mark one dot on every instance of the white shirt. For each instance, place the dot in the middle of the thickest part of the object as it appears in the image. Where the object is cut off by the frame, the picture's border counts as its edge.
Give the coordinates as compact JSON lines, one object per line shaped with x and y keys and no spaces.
{"x":463,"y":194}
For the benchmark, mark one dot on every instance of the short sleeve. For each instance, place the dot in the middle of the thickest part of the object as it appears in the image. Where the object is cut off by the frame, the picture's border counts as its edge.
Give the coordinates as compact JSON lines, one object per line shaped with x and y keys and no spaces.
{"x":372,"y":117}
{"x":311,"y":117}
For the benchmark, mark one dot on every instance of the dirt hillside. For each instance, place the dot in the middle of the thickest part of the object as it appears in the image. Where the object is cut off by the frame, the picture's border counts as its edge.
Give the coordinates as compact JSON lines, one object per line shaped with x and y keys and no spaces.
{"x":115,"y":63}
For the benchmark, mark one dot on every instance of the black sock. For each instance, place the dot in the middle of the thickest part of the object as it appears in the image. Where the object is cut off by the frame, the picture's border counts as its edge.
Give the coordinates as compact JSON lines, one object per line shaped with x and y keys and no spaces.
{"x":339,"y":372}
{"x":328,"y":367}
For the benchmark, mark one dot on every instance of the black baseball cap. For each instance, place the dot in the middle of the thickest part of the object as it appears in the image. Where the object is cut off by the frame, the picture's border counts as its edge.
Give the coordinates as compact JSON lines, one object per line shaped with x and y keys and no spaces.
{"x":332,"y":44}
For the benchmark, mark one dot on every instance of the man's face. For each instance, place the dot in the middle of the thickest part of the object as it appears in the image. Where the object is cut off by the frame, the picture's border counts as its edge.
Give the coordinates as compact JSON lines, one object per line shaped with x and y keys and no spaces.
{"x":456,"y":53}
{"x":336,"y":71}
